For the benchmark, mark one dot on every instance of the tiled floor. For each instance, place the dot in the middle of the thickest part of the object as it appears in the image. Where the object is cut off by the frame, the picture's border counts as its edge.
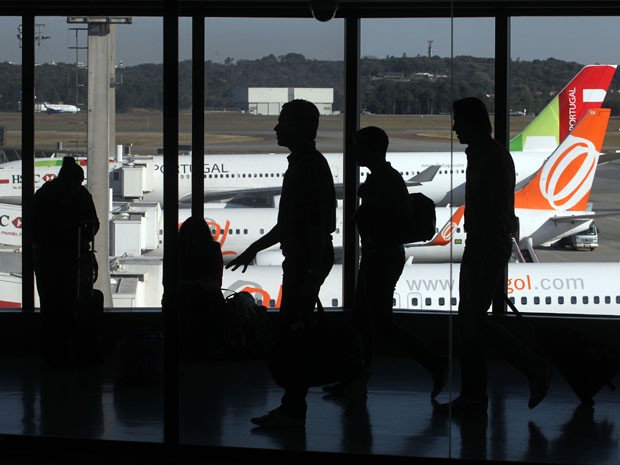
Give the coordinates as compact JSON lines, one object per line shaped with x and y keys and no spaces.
{"x":218,"y":398}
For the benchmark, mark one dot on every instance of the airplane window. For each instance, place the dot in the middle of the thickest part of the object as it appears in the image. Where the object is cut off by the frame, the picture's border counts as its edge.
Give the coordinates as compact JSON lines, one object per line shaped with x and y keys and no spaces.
{"x":245,"y":231}
{"x":427,"y":301}
{"x":607,"y":299}
{"x":337,"y":230}
{"x":205,"y":176}
{"x":585,"y":299}
{"x":393,"y":302}
{"x":547,"y":300}
{"x":453,"y":301}
{"x":597,"y":299}
{"x":272,"y":303}
{"x":536,"y":300}
{"x":260,"y":175}
{"x":573,"y":300}
{"x":618,"y":299}
{"x":512,"y":299}
{"x":523,"y":300}
{"x":237,"y":231}
{"x":334,"y":302}
{"x":210,"y":176}
{"x":221,"y":231}
{"x":259,"y":301}
{"x":213,"y":231}
{"x":442,"y":301}
{"x":561,"y":300}
{"x":414,"y":302}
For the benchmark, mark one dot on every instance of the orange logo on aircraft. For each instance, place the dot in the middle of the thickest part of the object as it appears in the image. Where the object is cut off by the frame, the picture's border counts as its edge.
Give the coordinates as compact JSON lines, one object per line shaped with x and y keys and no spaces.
{"x":445,"y":235}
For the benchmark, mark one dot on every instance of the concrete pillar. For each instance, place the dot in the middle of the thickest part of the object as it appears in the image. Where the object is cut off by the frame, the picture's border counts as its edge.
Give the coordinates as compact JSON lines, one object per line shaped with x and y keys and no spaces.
{"x":101,"y":139}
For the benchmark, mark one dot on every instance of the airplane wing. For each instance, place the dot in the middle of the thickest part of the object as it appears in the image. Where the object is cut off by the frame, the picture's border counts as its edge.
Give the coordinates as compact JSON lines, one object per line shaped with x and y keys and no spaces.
{"x":586,"y":216}
{"x":259,"y":197}
{"x":606,"y":157}
{"x":423,"y":176}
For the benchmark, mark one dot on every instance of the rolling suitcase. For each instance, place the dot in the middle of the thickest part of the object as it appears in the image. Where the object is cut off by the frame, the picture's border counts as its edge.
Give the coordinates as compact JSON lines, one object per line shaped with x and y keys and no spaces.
{"x":326,"y":353}
{"x":587,"y":365}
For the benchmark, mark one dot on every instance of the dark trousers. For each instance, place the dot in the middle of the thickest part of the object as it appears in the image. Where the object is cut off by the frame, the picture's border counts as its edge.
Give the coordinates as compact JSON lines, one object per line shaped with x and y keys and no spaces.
{"x":294,"y":275}
{"x":481,"y":275}
{"x":57,"y":285}
{"x":372,"y":312}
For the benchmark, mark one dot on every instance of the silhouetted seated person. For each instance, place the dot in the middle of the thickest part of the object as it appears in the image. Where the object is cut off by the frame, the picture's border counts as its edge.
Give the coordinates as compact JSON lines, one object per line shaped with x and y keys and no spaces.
{"x":64,"y":222}
{"x":200,"y":289}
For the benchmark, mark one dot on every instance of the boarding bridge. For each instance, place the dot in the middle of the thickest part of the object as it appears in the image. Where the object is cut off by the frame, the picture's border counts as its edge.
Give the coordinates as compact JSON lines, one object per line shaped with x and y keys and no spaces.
{"x":135,"y":228}
{"x":133,"y":178}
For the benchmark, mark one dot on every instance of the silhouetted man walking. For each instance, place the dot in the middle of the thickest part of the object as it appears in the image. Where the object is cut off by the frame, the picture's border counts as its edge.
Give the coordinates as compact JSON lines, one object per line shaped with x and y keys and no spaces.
{"x":490,"y":224}
{"x":306,"y":220}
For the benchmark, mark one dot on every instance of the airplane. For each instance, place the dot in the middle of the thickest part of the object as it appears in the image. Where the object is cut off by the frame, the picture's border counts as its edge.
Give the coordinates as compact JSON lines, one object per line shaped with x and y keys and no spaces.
{"x":583,"y":288}
{"x":553,"y":205}
{"x":59,"y":108}
{"x":256,"y":179}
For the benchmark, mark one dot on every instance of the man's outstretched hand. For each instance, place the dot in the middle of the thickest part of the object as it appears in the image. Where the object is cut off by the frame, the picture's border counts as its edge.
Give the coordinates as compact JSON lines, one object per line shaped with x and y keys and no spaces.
{"x":244,"y":259}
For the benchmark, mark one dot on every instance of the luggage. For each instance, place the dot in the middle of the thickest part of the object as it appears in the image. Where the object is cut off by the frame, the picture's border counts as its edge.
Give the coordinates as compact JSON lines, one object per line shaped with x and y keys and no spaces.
{"x":586,"y":364}
{"x":88,"y":331}
{"x":423,"y":221}
{"x":329,"y":352}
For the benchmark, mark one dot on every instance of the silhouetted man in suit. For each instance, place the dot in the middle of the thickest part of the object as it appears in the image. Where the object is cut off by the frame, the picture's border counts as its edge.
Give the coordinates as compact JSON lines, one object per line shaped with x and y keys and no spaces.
{"x":490,"y":224}
{"x":306,"y":220}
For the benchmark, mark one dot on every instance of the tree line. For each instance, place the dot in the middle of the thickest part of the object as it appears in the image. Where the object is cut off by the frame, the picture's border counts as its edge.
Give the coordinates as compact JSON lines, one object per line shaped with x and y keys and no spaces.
{"x":390,"y":85}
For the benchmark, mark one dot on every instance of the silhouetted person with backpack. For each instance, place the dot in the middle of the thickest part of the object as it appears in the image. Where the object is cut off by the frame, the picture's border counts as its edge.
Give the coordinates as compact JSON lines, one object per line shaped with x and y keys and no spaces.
{"x":384,"y":196}
{"x":306,"y":220}
{"x":490,"y":224}
{"x":64,"y":224}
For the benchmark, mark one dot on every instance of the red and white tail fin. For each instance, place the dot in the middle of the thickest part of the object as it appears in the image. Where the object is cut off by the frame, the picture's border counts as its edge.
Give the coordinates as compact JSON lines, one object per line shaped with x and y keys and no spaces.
{"x":565,"y":179}
{"x":584,"y":92}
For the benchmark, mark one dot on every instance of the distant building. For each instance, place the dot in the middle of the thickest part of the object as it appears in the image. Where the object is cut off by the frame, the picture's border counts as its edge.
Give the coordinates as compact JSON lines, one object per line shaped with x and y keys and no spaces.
{"x":269,"y":100}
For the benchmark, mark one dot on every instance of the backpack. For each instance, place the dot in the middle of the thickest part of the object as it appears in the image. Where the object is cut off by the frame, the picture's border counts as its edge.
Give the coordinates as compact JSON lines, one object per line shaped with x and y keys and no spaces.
{"x":421,"y":226}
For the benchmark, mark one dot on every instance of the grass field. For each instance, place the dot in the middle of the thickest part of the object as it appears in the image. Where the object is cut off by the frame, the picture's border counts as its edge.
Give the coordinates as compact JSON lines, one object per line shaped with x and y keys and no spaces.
{"x":143,"y":129}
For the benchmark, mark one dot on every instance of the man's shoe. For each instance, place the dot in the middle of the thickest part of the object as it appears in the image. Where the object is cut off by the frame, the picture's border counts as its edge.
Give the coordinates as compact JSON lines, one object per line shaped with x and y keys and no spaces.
{"x":462,"y":406}
{"x":336,"y":389}
{"x":539,"y":385}
{"x":440,"y":376}
{"x":278,"y":419}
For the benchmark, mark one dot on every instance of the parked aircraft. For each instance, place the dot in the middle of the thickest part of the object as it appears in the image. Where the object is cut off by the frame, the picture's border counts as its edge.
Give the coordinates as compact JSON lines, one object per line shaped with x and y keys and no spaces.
{"x":553,"y":205}
{"x":59,"y":108}
{"x":584,"y":288}
{"x":255,"y":179}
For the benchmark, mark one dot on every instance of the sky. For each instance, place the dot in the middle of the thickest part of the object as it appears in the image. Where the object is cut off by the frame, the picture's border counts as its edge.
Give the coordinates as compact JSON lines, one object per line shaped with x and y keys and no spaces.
{"x":140,"y":42}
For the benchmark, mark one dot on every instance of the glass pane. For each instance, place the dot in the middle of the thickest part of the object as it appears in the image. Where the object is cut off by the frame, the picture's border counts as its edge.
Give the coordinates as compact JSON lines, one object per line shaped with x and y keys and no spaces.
{"x":247,"y":82}
{"x":555,"y":85}
{"x":83,"y":80}
{"x":10,"y":177}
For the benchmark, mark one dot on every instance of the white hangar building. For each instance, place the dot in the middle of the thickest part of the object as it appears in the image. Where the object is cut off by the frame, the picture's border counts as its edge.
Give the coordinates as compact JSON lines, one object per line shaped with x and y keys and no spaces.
{"x":269,"y":100}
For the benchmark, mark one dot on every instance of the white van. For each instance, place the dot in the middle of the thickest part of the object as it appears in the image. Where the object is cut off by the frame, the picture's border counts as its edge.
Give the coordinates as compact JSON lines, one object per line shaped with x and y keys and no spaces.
{"x":586,"y":240}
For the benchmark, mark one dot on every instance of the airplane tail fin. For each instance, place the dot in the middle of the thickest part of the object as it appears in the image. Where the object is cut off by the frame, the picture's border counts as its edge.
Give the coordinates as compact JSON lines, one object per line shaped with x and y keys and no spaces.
{"x":565,"y":179}
{"x":444,"y":236}
{"x":584,"y":92}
